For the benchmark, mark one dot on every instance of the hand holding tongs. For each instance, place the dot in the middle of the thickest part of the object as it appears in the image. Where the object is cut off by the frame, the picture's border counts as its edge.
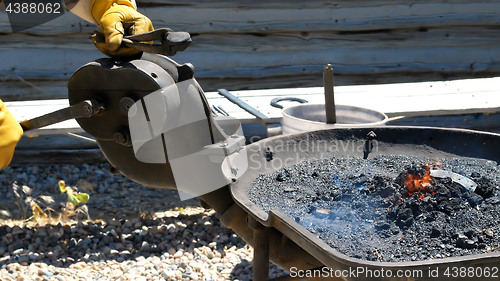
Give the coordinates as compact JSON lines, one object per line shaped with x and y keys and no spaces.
{"x":171,"y":41}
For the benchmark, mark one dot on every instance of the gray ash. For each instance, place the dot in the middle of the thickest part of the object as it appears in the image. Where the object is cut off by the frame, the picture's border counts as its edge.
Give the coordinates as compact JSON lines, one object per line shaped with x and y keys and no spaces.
{"x":364,"y":208}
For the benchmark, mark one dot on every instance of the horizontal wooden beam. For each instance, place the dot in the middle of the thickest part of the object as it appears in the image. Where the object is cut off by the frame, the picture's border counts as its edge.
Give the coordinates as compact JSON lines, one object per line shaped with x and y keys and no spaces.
{"x":461,"y":51}
{"x":234,"y":17}
{"x":470,"y":103}
{"x":273,"y":44}
{"x":469,"y":96}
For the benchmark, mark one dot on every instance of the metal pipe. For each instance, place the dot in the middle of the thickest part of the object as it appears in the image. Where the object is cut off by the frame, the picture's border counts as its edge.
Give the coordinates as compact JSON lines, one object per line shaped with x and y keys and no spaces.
{"x":81,"y":137}
{"x":243,"y":105}
{"x":329,"y":95}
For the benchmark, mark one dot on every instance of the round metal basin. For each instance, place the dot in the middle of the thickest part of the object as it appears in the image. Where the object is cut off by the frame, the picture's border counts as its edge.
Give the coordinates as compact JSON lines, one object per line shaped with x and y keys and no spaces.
{"x":311,"y":117}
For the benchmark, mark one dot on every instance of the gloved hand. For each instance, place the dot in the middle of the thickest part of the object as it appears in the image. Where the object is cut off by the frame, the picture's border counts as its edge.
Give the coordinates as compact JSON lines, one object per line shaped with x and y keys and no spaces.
{"x":117,"y":18}
{"x":10,"y":133}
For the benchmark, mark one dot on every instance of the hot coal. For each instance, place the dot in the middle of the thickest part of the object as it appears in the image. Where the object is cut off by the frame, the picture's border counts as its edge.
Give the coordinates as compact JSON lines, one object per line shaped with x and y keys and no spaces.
{"x":365,"y":209}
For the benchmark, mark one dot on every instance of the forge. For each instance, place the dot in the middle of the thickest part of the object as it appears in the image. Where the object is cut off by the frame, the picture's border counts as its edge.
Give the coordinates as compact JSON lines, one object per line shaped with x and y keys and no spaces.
{"x":389,"y":207}
{"x":405,"y":203}
{"x":378,"y":197}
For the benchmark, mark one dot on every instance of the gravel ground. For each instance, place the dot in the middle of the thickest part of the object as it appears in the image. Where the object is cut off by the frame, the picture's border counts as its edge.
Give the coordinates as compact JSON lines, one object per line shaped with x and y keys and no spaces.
{"x":135,"y":232}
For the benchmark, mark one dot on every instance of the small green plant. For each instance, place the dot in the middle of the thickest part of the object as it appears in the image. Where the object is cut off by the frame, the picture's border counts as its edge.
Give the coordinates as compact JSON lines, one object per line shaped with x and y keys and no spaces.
{"x":75,"y":198}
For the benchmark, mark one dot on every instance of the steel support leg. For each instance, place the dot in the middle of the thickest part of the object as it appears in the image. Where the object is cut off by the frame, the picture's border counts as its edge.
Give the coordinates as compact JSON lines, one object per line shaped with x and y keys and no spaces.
{"x":260,"y":253}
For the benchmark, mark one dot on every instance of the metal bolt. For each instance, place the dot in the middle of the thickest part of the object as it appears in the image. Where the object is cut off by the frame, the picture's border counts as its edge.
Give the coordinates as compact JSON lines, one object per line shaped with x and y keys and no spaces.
{"x":371,"y":135}
{"x":125,"y":104}
{"x":368,"y":147}
{"x":120,"y":138}
{"x":87,"y":108}
{"x":234,"y":171}
{"x":113,"y":170}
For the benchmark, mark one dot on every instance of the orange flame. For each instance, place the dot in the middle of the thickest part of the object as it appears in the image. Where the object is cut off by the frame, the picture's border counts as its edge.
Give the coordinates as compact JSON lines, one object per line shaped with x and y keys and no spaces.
{"x":417,"y":183}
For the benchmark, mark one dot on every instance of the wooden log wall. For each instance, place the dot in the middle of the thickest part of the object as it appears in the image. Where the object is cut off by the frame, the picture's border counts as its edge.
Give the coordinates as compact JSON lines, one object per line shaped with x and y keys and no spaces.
{"x":269,"y":44}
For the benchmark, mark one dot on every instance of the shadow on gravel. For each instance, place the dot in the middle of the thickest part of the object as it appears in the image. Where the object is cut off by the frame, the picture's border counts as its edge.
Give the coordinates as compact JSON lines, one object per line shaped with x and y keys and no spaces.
{"x":120,"y":240}
{"x":129,"y":222}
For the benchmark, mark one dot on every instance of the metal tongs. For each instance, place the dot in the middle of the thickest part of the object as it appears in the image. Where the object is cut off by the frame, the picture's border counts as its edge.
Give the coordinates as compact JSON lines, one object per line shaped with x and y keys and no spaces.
{"x":171,"y":41}
{"x":165,"y":41}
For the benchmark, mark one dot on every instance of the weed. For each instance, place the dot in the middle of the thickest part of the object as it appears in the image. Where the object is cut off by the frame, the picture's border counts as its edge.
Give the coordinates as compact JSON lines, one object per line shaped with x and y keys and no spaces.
{"x":23,"y":198}
{"x":41,"y":208}
{"x":72,"y":207}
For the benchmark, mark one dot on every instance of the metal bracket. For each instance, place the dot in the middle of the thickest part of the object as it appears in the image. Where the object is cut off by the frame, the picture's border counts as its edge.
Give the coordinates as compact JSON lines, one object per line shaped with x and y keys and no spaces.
{"x":230,"y":149}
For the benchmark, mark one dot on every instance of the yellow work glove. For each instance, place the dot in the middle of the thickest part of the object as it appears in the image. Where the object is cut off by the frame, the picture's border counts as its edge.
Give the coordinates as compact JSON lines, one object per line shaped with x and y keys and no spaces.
{"x":117,"y":18}
{"x":10,"y":133}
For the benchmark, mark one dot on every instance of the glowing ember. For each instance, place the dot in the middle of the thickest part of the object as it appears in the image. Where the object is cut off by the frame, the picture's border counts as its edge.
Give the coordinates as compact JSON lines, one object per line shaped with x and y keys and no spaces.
{"x":419,"y":183}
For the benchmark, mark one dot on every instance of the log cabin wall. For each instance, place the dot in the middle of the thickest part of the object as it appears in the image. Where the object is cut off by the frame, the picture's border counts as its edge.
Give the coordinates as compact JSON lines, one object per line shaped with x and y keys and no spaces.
{"x":270,"y":44}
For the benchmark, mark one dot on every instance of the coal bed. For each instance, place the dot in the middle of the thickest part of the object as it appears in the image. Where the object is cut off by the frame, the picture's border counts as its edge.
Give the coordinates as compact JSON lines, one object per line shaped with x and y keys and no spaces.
{"x":390,"y":208}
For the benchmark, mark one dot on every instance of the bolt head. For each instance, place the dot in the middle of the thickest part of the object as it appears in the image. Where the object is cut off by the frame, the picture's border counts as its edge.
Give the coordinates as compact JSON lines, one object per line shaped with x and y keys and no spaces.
{"x":119,"y":138}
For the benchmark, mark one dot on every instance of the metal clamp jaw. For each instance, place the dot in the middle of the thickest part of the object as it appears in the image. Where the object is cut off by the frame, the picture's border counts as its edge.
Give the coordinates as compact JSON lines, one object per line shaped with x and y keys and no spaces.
{"x":171,"y":41}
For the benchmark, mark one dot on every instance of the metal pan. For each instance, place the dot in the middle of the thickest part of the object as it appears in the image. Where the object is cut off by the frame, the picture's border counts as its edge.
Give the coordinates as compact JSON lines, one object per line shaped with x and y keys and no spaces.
{"x":272,"y":154}
{"x":310,"y":117}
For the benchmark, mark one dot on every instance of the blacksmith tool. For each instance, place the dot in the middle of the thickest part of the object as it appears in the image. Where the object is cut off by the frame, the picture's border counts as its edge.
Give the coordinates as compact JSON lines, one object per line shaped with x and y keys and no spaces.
{"x":170,"y":42}
{"x":243,"y":105}
{"x":86,"y":108}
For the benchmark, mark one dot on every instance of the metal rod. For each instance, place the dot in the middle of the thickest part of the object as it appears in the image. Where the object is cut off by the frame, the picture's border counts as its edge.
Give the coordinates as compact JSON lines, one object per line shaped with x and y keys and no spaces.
{"x":47,"y":119}
{"x":329,"y":95}
{"x":223,"y":111}
{"x":219,"y":110}
{"x":81,"y":137}
{"x":214,"y":112}
{"x":260,"y":253}
{"x":245,"y":106}
{"x":85,"y":108}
